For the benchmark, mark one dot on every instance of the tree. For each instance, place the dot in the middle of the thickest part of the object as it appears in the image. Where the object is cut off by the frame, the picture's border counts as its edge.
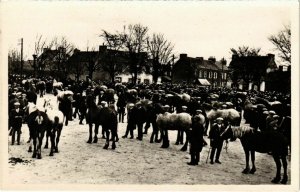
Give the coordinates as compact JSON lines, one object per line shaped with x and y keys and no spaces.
{"x":134,"y":40}
{"x":92,"y":61}
{"x":64,"y":50}
{"x":111,"y":58}
{"x":160,"y":51}
{"x":39,"y":46}
{"x":14,"y":61}
{"x":76,"y":65}
{"x":245,"y":51}
{"x":282,"y":42}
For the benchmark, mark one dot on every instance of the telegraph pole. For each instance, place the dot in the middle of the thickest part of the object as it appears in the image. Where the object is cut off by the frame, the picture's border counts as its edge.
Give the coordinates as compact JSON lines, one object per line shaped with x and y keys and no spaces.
{"x":21,"y":59}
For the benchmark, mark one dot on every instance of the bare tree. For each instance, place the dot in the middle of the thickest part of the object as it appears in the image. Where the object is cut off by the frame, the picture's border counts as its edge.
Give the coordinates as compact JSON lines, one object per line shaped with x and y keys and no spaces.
{"x":63,"y":49}
{"x":134,"y":39}
{"x":160,"y":51}
{"x":112,"y":59}
{"x":245,"y":51}
{"x":14,"y":61}
{"x":91,"y":61}
{"x":282,"y":42}
{"x":39,"y":46}
{"x":76,"y":65}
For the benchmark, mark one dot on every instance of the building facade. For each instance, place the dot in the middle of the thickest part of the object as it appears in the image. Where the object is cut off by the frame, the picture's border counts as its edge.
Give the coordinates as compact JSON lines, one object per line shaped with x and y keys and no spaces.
{"x":190,"y":70}
{"x":252,"y":72}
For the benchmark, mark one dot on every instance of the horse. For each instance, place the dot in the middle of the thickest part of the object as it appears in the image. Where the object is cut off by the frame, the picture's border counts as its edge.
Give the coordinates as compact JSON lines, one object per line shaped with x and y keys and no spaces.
{"x":65,"y":99}
{"x":109,"y":122}
{"x":262,"y":142}
{"x":92,"y":117}
{"x":56,"y":119}
{"x":169,"y":121}
{"x":229,"y":115}
{"x":38,"y":122}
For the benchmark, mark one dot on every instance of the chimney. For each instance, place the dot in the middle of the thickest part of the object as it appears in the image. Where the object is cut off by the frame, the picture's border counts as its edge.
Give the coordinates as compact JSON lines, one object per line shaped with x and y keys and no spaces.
{"x":212,"y":59}
{"x":183,"y":56}
{"x":102,"y":48}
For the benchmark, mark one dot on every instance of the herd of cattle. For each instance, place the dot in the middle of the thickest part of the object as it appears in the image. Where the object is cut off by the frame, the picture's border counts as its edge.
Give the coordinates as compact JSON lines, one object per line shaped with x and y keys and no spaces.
{"x":164,"y":106}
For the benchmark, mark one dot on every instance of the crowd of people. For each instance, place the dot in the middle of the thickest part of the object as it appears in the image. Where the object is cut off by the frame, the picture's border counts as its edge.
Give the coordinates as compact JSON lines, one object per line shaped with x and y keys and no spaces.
{"x":262,"y":110}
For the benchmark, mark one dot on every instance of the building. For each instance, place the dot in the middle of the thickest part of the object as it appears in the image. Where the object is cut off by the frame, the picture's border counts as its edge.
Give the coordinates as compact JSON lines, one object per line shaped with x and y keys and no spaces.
{"x":107,"y":65}
{"x":252,"y":72}
{"x":205,"y":72}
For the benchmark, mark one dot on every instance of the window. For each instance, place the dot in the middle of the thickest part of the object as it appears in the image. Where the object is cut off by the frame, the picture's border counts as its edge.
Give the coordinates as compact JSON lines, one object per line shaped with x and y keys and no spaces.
{"x":209,"y":74}
{"x":129,"y":80}
{"x":215,"y":75}
{"x":204,"y":74}
{"x":139,"y":80}
{"x":200,"y":74}
{"x":224,"y":77}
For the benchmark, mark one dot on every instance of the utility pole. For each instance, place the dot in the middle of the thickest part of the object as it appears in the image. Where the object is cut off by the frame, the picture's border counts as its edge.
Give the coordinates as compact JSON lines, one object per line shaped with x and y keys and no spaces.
{"x":21,"y":59}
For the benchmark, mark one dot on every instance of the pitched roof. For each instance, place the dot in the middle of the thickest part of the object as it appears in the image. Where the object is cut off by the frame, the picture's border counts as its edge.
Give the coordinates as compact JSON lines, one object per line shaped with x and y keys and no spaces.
{"x":204,"y":64}
{"x":219,"y":65}
{"x":83,"y":56}
{"x":254,"y":61}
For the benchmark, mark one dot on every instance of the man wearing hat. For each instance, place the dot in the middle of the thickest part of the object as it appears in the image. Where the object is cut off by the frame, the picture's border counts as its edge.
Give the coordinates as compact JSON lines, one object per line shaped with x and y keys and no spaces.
{"x":15,"y":117}
{"x":196,"y":137}
{"x":216,"y":142}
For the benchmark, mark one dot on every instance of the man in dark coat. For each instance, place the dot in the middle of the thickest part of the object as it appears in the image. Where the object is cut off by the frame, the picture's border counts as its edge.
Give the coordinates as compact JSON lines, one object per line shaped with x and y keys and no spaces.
{"x":196,"y":139}
{"x":216,"y":142}
{"x":15,"y":117}
{"x":121,"y":104}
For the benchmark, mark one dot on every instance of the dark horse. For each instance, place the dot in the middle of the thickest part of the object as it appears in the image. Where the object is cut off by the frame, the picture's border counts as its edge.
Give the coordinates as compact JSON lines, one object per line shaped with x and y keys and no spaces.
{"x":38,"y":123}
{"x":262,"y":142}
{"x":92,"y":117}
{"x":104,"y":116}
{"x":109,"y":122}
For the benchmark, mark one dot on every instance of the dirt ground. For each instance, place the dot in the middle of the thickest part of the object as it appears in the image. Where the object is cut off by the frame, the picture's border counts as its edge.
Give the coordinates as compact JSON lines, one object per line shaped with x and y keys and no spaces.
{"x":132,"y":162}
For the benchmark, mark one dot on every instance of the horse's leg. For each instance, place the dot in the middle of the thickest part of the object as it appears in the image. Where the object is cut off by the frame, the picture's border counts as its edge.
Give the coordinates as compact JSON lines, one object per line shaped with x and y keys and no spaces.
{"x":57,"y":139}
{"x":247,"y":169}
{"x":30,"y":145}
{"x":47,"y":136}
{"x":181,"y":137}
{"x":52,"y":139}
{"x":67,"y":119}
{"x":96,"y":133}
{"x":34,"y":147}
{"x":252,"y":171}
{"x":103,"y":133}
{"x":166,"y":142}
{"x":284,"y":164}
{"x":113,"y":134}
{"x":90,"y":132}
{"x":278,"y":168}
{"x":107,"y":139}
{"x":184,"y":147}
{"x":178,"y":138}
{"x":39,"y":153}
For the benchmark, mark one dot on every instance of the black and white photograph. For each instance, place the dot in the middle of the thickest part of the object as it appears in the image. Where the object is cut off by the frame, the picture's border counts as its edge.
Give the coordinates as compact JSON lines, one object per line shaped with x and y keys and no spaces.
{"x":149,"y":95}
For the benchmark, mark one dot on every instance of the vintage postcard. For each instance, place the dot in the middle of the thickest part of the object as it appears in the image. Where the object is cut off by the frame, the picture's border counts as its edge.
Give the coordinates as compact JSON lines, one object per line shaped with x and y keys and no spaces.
{"x":149,"y":95}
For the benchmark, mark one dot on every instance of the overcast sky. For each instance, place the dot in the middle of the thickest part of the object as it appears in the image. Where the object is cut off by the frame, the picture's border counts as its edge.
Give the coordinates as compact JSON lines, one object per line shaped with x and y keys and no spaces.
{"x":197,"y":28}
